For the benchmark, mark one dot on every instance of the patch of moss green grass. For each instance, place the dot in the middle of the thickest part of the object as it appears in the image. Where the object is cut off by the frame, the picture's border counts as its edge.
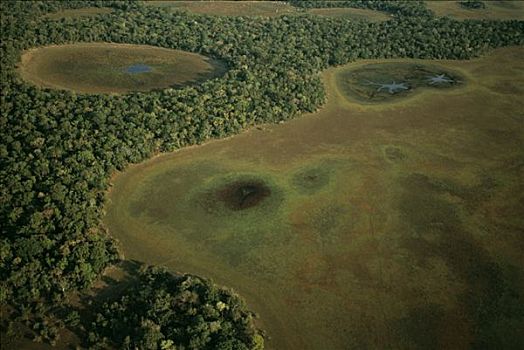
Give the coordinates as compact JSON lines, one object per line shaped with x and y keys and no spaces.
{"x":229,"y":8}
{"x":315,"y":177}
{"x":395,"y":223}
{"x":494,"y":10}
{"x":103,"y":67}
{"x":192,"y":211}
{"x":392,"y":81}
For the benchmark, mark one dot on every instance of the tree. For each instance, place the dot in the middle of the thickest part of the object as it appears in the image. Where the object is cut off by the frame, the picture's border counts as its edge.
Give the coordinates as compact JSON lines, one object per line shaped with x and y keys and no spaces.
{"x":163,"y":311}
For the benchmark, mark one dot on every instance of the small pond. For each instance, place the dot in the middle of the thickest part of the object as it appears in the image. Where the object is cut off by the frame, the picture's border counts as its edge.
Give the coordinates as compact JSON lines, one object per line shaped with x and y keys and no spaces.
{"x":138,"y":68}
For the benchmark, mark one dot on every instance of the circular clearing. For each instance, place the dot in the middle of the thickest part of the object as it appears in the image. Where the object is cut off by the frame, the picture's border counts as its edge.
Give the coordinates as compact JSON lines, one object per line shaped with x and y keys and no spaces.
{"x":385,"y":82}
{"x":115,"y":68}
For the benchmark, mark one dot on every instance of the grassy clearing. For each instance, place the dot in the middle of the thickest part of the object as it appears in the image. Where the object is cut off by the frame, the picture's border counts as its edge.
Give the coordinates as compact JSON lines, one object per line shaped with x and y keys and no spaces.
{"x":395,"y":224}
{"x":265,"y":9}
{"x":377,"y":83}
{"x":496,"y":10}
{"x":351,"y":13}
{"x":103,"y":68}
{"x":76,"y":13}
{"x":229,"y":8}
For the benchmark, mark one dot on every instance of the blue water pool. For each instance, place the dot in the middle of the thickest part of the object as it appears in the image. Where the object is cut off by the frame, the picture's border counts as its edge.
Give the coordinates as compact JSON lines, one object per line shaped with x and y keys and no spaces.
{"x":138,"y":68}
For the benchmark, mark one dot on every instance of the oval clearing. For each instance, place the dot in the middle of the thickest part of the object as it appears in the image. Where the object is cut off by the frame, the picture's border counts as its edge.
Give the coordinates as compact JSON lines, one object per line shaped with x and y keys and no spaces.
{"x":111,"y":68}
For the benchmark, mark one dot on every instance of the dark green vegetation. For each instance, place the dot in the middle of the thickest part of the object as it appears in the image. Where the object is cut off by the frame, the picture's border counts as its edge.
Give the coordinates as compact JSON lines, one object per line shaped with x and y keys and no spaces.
{"x":160,"y":311}
{"x":351,"y":13}
{"x":59,"y":148}
{"x":397,"y":8}
{"x":391,"y":81}
{"x":104,"y":68}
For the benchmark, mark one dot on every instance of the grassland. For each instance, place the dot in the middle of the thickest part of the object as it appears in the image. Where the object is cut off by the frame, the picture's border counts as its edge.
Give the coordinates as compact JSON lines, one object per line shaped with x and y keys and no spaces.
{"x":229,"y":8}
{"x":495,"y":10}
{"x":81,"y":12}
{"x":266,"y":9}
{"x":392,"y":224}
{"x":103,"y":68}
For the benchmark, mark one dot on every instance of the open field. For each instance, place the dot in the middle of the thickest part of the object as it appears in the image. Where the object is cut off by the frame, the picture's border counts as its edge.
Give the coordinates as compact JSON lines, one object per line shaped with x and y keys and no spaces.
{"x":495,"y":10}
{"x":229,"y":8}
{"x":266,"y":9}
{"x":115,"y":68}
{"x":76,"y":13}
{"x":359,"y":225}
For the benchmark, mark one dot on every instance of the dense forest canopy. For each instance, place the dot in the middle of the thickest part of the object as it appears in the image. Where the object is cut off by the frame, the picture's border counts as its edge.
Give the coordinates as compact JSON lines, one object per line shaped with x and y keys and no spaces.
{"x":185,"y":312}
{"x":59,"y":148}
{"x":396,"y":7}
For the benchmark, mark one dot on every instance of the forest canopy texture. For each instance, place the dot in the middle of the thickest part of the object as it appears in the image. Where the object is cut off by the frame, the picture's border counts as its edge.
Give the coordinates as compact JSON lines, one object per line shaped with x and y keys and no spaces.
{"x":185,"y":312}
{"x":59,"y":148}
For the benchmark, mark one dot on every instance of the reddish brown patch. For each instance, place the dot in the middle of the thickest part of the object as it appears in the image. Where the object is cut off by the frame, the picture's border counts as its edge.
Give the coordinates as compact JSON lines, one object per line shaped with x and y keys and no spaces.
{"x":241,"y":195}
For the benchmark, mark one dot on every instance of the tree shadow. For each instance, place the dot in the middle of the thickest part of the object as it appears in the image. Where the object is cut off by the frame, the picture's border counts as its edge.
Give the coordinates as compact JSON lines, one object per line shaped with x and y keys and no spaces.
{"x":82,"y":311}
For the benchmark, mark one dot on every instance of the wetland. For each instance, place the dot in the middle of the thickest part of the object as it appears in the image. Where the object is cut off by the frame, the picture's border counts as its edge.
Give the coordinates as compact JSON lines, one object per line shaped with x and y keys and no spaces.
{"x":366,"y":224}
{"x":391,"y":81}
